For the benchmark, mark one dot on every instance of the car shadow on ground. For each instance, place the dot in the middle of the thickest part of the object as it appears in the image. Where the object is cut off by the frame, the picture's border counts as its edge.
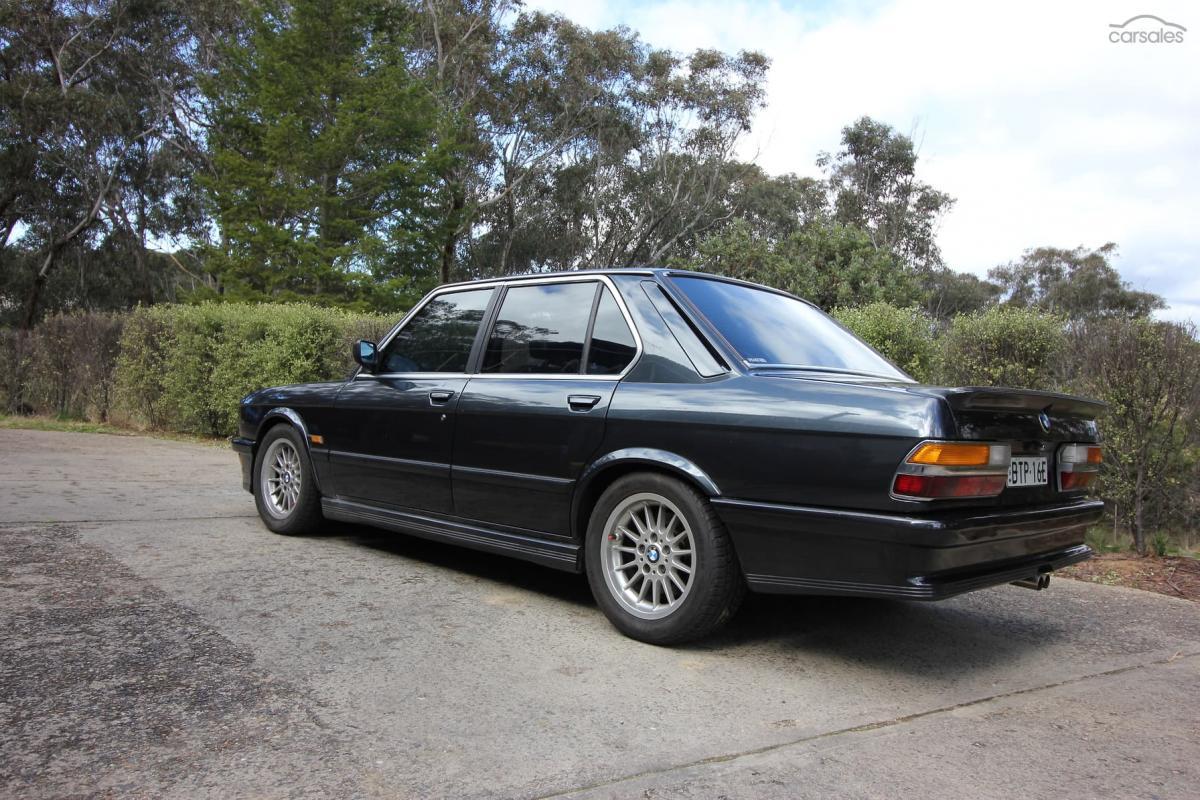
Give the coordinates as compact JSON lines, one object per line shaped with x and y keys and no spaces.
{"x":949,"y":638}
{"x":565,"y":586}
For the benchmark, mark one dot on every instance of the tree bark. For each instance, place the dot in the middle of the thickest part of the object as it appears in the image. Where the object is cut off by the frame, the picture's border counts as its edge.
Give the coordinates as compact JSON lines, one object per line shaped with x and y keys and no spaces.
{"x":1139,"y":503}
{"x":450,"y":243}
{"x":32,"y":300}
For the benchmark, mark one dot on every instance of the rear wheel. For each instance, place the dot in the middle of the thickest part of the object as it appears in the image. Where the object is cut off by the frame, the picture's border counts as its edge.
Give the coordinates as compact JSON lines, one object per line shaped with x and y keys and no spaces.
{"x":659,"y":561}
{"x":284,"y":489}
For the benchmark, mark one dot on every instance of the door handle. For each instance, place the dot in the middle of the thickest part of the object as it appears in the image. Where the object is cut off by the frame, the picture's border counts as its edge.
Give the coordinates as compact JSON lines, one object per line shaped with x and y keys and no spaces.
{"x":440,"y":396}
{"x":582,"y":402}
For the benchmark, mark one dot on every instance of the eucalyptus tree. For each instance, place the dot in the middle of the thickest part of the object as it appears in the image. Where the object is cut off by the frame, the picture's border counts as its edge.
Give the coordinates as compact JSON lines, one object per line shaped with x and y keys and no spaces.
{"x":1078,"y":283}
{"x":89,"y":104}
{"x":874,"y":186}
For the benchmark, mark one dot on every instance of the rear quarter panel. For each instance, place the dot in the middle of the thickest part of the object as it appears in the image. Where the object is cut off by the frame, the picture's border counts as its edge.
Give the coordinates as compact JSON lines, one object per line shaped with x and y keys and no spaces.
{"x":780,"y":440}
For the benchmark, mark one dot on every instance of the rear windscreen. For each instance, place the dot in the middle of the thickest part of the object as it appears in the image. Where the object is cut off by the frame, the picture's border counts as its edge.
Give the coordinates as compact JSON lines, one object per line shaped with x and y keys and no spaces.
{"x":769,"y":329}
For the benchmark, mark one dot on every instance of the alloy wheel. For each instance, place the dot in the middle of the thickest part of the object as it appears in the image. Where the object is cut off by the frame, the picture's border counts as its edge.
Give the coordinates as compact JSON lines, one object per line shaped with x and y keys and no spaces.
{"x":281,"y":478}
{"x":648,"y":555}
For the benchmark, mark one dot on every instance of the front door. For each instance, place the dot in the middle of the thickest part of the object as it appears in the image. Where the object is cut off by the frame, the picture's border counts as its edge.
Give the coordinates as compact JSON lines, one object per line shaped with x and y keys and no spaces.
{"x":393,"y":430}
{"x":533,"y":416}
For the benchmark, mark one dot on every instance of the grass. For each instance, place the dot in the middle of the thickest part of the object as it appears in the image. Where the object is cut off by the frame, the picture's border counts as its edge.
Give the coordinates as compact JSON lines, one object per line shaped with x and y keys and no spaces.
{"x":40,"y":423}
{"x":1102,"y":539}
{"x":1184,"y":544}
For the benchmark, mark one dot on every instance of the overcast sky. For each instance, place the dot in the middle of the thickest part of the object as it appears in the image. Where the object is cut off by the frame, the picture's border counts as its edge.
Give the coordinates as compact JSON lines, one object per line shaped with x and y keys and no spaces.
{"x":1045,"y":131}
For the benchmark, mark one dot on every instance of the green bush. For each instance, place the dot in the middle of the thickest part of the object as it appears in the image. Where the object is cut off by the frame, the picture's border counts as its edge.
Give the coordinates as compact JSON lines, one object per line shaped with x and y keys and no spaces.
{"x":1002,"y":346}
{"x":186,"y":367}
{"x":904,"y":335}
{"x":141,"y":365}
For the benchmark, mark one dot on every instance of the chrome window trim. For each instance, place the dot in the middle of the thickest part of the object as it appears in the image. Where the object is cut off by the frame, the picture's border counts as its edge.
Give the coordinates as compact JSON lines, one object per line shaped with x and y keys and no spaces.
{"x":497,"y":284}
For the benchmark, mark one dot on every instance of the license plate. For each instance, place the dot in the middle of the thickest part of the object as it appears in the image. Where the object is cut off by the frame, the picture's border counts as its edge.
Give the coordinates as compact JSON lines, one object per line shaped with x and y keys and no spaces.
{"x":1027,"y":471}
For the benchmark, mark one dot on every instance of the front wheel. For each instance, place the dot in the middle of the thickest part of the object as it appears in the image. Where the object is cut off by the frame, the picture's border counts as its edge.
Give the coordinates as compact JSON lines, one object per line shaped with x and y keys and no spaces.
{"x":659,"y":561}
{"x":284,"y":489}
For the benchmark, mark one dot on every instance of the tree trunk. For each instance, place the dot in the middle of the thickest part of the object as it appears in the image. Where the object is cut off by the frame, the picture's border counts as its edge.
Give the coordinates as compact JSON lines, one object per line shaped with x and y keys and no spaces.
{"x":450,"y":243}
{"x":33,"y":299}
{"x":1139,"y":504}
{"x":448,"y":255}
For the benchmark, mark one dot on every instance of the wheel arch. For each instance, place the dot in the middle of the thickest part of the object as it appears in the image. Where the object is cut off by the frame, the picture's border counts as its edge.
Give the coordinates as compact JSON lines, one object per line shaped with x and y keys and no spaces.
{"x":607,"y":469}
{"x":284,"y":415}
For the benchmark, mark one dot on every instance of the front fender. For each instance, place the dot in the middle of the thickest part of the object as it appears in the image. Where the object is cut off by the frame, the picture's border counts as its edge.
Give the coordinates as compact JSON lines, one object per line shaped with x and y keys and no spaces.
{"x":293,"y":417}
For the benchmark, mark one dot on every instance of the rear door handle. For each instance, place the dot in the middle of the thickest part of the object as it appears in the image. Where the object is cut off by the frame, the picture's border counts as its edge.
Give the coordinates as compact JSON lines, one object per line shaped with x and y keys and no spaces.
{"x":440,"y":396}
{"x":582,"y":402}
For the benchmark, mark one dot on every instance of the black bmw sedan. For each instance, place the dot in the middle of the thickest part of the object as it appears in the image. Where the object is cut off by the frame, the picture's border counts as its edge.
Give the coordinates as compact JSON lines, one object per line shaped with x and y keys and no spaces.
{"x":681,"y":438}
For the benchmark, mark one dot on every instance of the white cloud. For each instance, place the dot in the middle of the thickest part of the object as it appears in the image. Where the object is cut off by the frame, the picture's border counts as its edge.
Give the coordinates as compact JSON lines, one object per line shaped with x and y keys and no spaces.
{"x":1044,"y":131}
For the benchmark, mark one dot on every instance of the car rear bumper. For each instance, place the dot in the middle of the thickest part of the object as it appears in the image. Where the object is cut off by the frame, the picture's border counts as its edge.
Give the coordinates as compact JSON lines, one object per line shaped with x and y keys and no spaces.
{"x":810,"y":550}
{"x":245,"y":449}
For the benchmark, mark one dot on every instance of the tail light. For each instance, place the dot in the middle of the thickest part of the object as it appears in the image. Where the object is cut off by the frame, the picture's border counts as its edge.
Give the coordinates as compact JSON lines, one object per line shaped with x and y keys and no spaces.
{"x":952,"y":470}
{"x":1078,"y":465}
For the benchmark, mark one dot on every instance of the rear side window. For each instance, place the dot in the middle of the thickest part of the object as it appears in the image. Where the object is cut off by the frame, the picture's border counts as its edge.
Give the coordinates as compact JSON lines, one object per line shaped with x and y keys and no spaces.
{"x":613,"y":345}
{"x":439,"y":337}
{"x":540,"y":330}
{"x":696,"y":350}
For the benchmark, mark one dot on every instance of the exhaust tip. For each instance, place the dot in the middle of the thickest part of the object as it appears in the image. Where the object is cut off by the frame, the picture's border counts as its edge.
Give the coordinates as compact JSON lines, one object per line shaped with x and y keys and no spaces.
{"x":1037,"y":582}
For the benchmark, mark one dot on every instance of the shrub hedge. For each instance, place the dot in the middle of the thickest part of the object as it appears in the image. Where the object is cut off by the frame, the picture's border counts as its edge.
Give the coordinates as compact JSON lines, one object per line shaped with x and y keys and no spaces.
{"x":65,"y":367}
{"x":184,"y":367}
{"x":1003,"y":346}
{"x":180,"y":368}
{"x":904,"y":335}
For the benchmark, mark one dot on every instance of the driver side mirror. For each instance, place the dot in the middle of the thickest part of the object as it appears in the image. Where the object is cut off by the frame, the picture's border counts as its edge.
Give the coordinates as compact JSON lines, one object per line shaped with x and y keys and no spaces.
{"x":366,"y":355}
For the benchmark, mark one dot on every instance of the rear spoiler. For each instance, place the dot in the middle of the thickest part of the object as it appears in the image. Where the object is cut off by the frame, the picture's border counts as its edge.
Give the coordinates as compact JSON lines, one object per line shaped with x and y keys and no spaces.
{"x":975,"y":397}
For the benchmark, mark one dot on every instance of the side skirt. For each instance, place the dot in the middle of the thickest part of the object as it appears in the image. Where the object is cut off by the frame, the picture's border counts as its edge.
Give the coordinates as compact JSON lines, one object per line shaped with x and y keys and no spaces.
{"x":559,"y":555}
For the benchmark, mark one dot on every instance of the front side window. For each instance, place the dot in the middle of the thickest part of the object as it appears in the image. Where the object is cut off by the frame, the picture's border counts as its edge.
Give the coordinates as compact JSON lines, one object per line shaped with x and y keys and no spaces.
{"x":439,"y":337}
{"x":769,"y":329}
{"x":540,"y":329}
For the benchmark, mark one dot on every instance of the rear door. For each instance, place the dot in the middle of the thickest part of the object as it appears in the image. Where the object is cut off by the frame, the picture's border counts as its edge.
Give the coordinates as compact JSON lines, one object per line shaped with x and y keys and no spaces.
{"x":394,"y":430}
{"x":533,"y":415}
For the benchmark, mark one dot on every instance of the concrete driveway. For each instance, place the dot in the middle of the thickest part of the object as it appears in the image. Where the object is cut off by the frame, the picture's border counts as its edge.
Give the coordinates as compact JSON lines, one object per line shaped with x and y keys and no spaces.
{"x":156,"y":640}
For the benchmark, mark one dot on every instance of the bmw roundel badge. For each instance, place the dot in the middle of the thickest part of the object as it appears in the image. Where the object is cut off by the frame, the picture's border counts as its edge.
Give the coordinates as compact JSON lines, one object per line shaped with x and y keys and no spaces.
{"x":1044,"y":421}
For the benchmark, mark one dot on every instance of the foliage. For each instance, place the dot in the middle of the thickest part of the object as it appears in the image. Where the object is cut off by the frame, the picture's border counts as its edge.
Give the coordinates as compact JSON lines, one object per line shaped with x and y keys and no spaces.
{"x":1149,"y":374}
{"x":904,"y":335}
{"x":15,"y":361}
{"x":1002,"y":347}
{"x":92,"y":131}
{"x":873,"y":184}
{"x":320,"y":146}
{"x":186,"y":367}
{"x":64,"y":368}
{"x":595,"y":149}
{"x":948,"y":293}
{"x":830,"y":265}
{"x":1077,"y":283}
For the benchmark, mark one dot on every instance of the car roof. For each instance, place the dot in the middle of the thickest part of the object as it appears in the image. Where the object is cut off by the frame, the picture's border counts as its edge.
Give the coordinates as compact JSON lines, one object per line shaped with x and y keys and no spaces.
{"x":659,"y":272}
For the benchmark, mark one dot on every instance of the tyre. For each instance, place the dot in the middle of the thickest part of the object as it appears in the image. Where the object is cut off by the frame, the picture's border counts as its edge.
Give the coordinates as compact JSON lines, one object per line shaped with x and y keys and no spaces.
{"x":284,"y":489}
{"x":659,"y":561}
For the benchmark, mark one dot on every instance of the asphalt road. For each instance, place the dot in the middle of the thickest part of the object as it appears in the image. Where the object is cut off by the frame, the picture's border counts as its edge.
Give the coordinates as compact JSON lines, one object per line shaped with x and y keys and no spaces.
{"x":156,"y":640}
